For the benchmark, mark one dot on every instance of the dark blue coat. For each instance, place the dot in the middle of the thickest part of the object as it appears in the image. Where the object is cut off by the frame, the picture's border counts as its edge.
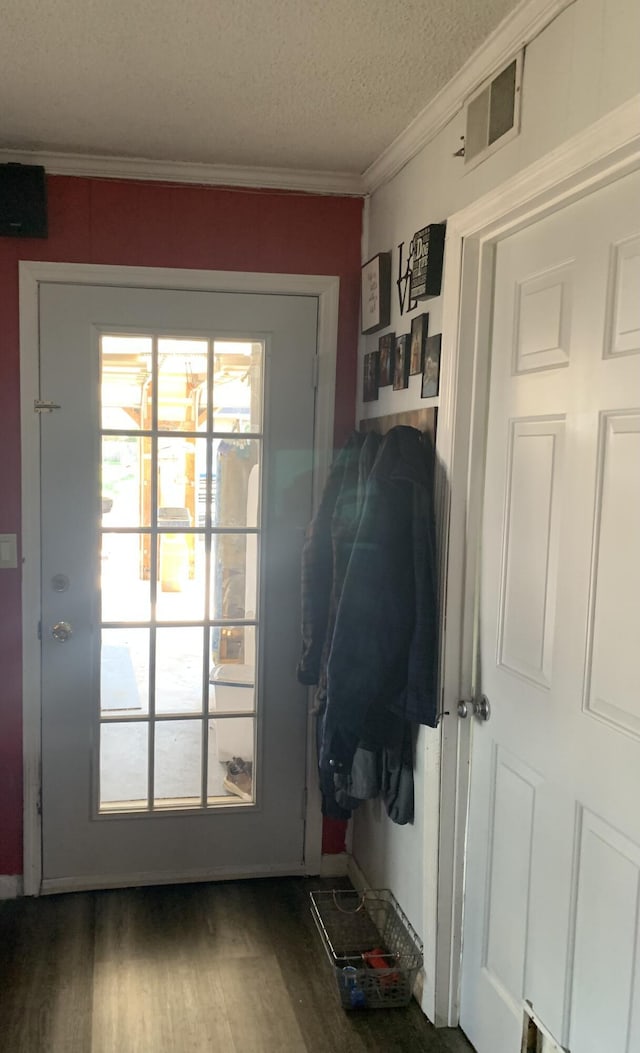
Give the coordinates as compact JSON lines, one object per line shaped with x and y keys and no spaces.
{"x":383,"y":657}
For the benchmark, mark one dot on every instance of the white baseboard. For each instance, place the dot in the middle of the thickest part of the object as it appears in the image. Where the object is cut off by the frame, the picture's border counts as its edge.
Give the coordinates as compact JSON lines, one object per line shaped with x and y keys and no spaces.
{"x":10,"y":886}
{"x":336,"y":865}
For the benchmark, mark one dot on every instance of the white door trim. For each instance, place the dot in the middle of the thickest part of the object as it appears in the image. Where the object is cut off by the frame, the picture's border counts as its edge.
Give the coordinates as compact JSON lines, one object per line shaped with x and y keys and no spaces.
{"x":605,"y":151}
{"x":32,"y":275}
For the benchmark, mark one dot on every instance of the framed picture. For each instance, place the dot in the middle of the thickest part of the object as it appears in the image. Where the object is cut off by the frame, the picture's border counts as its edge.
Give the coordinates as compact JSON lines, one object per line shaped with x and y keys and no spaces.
{"x":375,"y":293}
{"x":386,"y":345}
{"x":370,"y":377}
{"x":427,"y":253}
{"x":401,"y":362}
{"x":431,"y":368}
{"x":419,"y":330}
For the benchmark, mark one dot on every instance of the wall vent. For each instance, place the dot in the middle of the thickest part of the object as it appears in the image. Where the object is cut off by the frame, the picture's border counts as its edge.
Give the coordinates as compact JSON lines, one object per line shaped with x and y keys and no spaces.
{"x":493,"y":113}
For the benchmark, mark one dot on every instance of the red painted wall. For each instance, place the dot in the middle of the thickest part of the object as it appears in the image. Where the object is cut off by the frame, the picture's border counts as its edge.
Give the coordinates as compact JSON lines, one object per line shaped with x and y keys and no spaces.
{"x":153,"y":225}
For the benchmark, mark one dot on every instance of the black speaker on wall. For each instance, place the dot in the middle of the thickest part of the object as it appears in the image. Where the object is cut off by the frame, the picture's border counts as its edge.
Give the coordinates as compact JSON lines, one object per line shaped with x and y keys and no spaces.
{"x":23,"y":201}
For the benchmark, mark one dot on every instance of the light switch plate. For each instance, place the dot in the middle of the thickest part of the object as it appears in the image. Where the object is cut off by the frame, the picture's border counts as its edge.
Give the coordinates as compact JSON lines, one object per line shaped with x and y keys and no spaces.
{"x":8,"y":552}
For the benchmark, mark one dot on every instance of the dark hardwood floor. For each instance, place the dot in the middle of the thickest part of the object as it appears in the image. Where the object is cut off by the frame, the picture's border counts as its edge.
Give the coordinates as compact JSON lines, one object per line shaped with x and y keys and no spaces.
{"x":235,"y":967}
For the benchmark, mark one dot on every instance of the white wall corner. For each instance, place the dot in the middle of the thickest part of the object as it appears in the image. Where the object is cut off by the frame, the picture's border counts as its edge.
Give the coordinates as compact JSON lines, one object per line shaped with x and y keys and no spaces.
{"x":360,"y":883}
{"x":335,"y":865}
{"x":10,"y":886}
{"x":517,"y":30}
{"x":357,"y":877}
{"x":364,"y":237}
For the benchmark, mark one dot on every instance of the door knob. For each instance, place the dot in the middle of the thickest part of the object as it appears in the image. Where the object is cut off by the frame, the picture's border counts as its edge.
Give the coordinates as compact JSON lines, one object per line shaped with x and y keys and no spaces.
{"x":480,"y":707}
{"x":61,"y":631}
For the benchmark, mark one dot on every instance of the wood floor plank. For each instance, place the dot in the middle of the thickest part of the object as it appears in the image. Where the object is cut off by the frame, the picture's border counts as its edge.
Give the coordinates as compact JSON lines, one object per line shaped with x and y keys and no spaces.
{"x":46,"y":974}
{"x":234,"y":967}
{"x":154,"y":988}
{"x":258,"y":1007}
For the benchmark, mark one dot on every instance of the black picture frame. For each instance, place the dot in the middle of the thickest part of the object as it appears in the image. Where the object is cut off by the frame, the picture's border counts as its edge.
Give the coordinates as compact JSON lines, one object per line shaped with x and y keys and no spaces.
{"x":431,"y":367}
{"x":386,"y":346}
{"x":427,"y":255}
{"x":401,"y":362}
{"x":419,"y":331}
{"x":375,"y":293}
{"x":370,"y":377}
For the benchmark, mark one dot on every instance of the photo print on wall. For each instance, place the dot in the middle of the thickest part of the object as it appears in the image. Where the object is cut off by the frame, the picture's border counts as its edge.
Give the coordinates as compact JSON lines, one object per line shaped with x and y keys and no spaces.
{"x":386,"y":345}
{"x":370,"y":377}
{"x":401,"y":362}
{"x":419,"y":330}
{"x":375,"y":292}
{"x":431,"y":368}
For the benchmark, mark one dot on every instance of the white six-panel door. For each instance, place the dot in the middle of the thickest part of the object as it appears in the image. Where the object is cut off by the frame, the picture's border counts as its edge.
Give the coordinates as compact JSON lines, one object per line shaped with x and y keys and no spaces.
{"x":552,"y":895}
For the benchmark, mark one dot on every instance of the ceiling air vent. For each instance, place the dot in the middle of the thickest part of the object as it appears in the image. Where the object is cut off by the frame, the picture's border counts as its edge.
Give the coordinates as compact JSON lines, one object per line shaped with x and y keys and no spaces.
{"x":493,"y":113}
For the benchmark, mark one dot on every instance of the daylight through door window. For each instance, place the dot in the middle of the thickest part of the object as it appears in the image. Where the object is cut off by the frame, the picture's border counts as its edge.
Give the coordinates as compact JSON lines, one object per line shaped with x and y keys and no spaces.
{"x":181,"y":457}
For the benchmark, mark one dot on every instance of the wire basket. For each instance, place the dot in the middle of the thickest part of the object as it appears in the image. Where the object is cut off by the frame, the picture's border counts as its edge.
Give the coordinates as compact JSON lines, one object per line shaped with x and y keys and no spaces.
{"x":373,"y":949}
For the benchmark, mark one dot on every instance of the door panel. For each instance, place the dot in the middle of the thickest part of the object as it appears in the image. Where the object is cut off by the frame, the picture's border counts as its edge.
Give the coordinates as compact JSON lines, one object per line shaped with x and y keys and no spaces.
{"x":553,"y":857}
{"x":176,"y":485}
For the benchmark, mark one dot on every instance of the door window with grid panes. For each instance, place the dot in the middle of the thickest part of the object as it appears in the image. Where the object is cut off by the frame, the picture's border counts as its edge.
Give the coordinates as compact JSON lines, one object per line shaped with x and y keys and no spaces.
{"x":181,"y":434}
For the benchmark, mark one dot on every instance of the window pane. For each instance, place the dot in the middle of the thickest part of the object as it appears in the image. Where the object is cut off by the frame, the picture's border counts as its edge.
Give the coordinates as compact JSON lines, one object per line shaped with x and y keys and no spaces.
{"x":124,"y":764}
{"x":234,"y":576}
{"x":232,"y":689}
{"x":182,"y":384}
{"x":179,"y":669}
{"x":231,"y":772}
{"x":237,"y":386}
{"x":125,"y":570}
{"x":124,"y":676}
{"x":234,"y":645}
{"x":180,"y":463}
{"x":125,"y":368}
{"x":236,"y":467}
{"x":181,"y":577}
{"x":178,"y":763}
{"x":126,"y":481}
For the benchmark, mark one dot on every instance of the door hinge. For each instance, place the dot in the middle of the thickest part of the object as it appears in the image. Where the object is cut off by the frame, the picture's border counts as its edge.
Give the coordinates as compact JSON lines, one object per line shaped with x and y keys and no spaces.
{"x":39,"y":630}
{"x":303,"y":803}
{"x":315,"y":372}
{"x":44,"y":406}
{"x":39,"y":801}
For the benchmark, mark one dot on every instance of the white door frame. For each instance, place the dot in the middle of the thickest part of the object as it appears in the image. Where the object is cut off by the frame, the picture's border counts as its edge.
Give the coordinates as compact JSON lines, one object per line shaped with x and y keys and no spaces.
{"x":32,"y":275}
{"x":605,"y":151}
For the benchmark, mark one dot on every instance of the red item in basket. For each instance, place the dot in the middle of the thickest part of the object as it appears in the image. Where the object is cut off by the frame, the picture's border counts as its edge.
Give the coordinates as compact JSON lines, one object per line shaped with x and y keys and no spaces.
{"x":378,"y":959}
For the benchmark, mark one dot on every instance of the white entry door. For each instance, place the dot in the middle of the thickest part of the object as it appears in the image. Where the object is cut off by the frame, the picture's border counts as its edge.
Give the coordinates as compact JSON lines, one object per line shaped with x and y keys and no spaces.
{"x":552,"y":902}
{"x":176,"y":485}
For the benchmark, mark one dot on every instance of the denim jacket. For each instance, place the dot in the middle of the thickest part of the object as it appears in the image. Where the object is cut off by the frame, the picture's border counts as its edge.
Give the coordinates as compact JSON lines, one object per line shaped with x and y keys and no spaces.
{"x":327,"y":551}
{"x":383,"y":655}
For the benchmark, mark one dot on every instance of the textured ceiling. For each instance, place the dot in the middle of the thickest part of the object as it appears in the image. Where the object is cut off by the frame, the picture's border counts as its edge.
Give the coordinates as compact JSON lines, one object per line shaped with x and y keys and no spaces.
{"x":304,"y":84}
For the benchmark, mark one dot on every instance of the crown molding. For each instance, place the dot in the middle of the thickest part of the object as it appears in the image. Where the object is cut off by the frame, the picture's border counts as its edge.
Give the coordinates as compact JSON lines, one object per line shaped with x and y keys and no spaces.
{"x":515,"y":31}
{"x":103,"y":167}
